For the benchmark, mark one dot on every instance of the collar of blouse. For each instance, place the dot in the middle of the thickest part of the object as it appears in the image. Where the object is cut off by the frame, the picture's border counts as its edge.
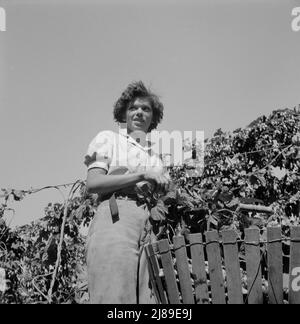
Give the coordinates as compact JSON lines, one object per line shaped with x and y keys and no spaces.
{"x":131,"y":140}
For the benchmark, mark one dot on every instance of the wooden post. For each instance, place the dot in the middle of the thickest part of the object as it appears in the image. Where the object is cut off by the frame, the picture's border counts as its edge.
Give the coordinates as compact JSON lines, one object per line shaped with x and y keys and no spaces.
{"x":253,"y":266}
{"x":151,"y":276}
{"x":215,"y":267}
{"x":183,"y":270}
{"x":198,"y":268}
{"x":232,"y":266}
{"x":294,"y":282}
{"x":153,"y":264}
{"x":275,"y":265}
{"x":167,"y":263}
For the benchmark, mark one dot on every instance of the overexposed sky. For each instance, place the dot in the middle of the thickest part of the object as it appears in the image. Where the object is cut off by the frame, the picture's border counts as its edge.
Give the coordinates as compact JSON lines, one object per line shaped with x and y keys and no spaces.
{"x":64,"y":63}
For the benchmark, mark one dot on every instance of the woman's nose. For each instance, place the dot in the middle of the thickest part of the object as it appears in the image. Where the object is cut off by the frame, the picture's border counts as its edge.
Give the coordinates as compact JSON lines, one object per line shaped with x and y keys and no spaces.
{"x":139,"y":111}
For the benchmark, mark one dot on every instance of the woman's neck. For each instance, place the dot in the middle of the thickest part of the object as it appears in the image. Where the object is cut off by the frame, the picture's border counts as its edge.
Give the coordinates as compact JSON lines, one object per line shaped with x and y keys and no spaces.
{"x":139,"y":136}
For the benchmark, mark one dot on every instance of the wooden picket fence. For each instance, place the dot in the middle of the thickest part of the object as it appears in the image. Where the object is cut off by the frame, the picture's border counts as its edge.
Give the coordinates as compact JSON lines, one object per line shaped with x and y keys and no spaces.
{"x":210,"y":271}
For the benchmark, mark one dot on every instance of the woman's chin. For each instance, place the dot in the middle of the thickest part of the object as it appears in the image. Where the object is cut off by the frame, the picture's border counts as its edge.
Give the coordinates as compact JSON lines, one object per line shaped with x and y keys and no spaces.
{"x":140,"y":128}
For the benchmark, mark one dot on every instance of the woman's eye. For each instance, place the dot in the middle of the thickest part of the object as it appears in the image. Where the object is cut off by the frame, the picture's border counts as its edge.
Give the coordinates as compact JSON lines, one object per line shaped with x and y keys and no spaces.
{"x":146,"y":109}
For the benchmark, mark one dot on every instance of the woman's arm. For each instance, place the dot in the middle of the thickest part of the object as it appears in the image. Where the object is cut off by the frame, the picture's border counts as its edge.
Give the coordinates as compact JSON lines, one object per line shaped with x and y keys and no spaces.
{"x":99,"y":182}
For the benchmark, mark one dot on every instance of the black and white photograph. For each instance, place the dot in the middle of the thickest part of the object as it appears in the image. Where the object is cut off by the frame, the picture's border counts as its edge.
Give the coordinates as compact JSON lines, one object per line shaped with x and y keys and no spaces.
{"x":150,"y":154}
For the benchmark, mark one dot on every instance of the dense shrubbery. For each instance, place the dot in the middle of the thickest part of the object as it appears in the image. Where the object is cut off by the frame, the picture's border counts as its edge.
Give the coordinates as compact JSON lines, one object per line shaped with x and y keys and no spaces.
{"x":245,"y":172}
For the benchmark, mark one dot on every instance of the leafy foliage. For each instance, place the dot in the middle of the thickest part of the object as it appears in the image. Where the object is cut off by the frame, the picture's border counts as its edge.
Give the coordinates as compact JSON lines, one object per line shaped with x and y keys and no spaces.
{"x":29,"y":253}
{"x":251,"y":178}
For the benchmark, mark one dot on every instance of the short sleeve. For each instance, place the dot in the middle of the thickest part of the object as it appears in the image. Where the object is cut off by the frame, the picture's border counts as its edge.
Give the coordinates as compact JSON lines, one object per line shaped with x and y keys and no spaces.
{"x":100,"y":151}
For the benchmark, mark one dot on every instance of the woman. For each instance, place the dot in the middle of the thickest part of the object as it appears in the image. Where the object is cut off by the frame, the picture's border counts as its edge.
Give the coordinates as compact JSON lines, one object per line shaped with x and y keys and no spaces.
{"x":120,"y":168}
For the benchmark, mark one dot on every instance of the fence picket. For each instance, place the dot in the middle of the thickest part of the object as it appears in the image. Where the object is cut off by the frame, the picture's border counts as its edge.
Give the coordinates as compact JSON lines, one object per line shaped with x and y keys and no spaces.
{"x":183,"y":270}
{"x":167,"y":263}
{"x":275,"y":265}
{"x":152,"y":276}
{"x":294,"y":280}
{"x":232,"y":266}
{"x":215,"y":267}
{"x":198,"y":268}
{"x":253,"y":266}
{"x":154,"y":272}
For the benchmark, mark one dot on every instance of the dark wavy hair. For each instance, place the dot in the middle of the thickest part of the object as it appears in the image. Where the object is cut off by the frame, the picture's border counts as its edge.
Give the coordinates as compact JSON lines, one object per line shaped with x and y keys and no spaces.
{"x":138,"y":90}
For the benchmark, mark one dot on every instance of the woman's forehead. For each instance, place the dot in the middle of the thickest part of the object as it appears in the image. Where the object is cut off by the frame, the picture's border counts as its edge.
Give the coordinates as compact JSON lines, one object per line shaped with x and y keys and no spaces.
{"x":142,"y":101}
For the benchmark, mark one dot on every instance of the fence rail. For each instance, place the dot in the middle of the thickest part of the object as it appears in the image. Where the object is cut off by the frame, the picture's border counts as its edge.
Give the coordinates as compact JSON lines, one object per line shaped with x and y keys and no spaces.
{"x":219,"y":268}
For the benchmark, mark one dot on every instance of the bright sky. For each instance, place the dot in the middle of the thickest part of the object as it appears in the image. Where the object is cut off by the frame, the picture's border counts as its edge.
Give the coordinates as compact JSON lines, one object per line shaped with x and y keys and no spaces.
{"x":63,"y":64}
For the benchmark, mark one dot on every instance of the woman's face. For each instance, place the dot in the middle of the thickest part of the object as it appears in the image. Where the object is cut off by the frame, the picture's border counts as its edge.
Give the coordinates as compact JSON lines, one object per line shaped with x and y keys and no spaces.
{"x":139,"y":115}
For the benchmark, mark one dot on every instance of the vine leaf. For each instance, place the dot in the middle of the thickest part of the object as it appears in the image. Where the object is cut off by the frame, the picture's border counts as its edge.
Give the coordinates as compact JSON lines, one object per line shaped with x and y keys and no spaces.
{"x":158,"y":212}
{"x":278,"y":172}
{"x":213,"y":219}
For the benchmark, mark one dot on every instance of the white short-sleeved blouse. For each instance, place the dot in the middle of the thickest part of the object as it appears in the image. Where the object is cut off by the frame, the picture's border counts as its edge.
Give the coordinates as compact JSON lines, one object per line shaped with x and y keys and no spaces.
{"x":110,"y":150}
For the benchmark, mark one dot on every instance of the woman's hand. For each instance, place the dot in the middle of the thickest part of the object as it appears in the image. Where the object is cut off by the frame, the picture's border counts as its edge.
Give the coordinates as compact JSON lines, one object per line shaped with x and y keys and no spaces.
{"x":160,"y":182}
